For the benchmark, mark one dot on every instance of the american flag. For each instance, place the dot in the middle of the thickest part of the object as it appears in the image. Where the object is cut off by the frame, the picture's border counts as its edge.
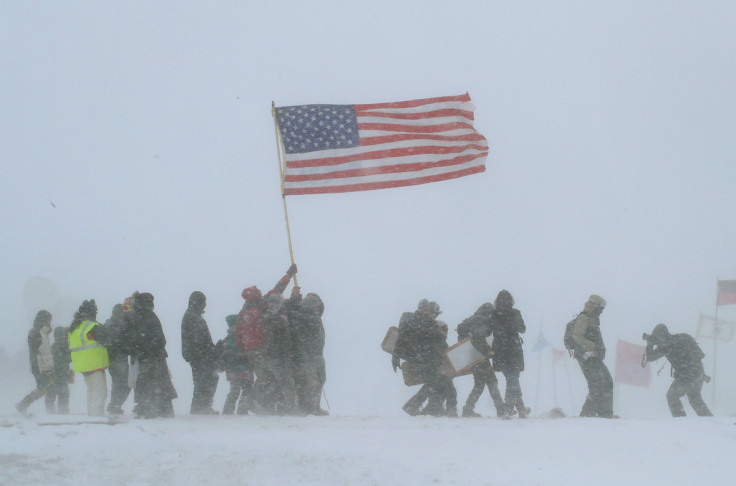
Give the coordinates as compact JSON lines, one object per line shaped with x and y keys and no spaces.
{"x":345,"y":148}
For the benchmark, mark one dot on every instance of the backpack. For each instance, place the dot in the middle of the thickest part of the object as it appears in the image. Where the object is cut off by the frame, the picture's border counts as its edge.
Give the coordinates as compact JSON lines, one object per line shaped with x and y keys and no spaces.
{"x":570,"y":344}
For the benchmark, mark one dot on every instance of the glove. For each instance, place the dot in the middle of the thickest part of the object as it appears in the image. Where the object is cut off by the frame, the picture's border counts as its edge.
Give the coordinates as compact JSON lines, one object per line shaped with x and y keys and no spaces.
{"x":589,"y":354}
{"x":292,"y":270}
{"x":395,"y":362}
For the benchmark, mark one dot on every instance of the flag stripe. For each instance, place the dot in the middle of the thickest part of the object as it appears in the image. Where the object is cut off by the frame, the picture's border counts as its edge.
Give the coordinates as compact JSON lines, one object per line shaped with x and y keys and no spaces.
{"x":419,"y":128}
{"x":385,"y":154}
{"x":369,"y":186}
{"x":435,"y":169}
{"x":444,"y":113}
{"x":414,"y":103}
{"x":382,"y":169}
{"x":472,"y":137}
{"x":342,"y":148}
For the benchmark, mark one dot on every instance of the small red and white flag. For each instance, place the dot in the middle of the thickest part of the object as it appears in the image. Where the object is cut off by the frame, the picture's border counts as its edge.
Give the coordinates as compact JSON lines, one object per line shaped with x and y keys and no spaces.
{"x":345,"y":148}
{"x":629,"y":369}
{"x":726,"y":292}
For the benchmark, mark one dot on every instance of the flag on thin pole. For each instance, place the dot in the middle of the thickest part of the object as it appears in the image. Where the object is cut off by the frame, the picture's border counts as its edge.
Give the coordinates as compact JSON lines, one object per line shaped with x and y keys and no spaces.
{"x":726,"y":292}
{"x":345,"y":148}
{"x":541,"y":342}
{"x":629,"y":369}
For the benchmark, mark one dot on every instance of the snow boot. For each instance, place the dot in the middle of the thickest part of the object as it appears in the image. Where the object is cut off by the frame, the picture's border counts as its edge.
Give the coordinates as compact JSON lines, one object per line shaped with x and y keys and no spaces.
{"x":468,"y":412}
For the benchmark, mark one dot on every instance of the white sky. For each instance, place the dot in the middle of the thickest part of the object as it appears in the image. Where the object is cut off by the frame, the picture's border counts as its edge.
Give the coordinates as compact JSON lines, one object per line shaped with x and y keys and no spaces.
{"x":148,"y":126}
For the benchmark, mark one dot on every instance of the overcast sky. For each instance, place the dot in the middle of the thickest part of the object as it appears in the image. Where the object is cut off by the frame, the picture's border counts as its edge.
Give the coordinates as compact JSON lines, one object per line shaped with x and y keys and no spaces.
{"x":138,"y":153}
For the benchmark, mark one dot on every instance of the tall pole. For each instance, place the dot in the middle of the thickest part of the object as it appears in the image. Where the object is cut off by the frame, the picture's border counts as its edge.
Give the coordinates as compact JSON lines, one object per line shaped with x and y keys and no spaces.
{"x":539,"y":372}
{"x":554,"y":378}
{"x":281,"y":175}
{"x":715,"y":347}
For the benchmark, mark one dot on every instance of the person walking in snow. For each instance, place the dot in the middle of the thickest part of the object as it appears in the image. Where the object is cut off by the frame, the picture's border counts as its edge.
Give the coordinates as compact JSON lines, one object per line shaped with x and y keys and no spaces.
{"x":508,"y":355}
{"x":478,"y":328}
{"x":119,"y":367}
{"x":89,"y":355}
{"x":62,"y":371}
{"x":590,"y":351}
{"x":144,"y":335}
{"x":42,"y":362}
{"x":420,"y":342}
{"x":686,"y":359}
{"x":201,"y":353}
{"x":307,"y":335}
{"x":250,"y":335}
{"x":237,"y":371}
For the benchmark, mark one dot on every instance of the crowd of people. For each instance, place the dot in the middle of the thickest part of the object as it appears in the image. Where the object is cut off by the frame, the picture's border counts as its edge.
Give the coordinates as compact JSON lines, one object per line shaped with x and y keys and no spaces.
{"x":272,"y":356}
{"x":273,"y":359}
{"x":422,"y":341}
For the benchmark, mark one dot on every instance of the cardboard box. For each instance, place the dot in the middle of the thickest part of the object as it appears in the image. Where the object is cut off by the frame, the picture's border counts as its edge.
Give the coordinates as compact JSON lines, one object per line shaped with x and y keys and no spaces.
{"x":389,"y":342}
{"x":410,"y":374}
{"x":463,"y":356}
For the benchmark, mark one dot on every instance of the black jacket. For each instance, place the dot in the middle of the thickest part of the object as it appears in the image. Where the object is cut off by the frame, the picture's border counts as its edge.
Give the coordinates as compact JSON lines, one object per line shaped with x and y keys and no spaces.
{"x":306,"y":328}
{"x":683,"y":353}
{"x":507,"y":324}
{"x":196,"y":341}
{"x":420,"y":339}
{"x":144,"y":334}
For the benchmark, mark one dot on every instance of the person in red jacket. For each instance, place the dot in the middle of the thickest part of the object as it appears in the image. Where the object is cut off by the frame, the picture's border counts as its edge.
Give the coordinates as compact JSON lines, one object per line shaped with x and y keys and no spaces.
{"x":250,"y":336}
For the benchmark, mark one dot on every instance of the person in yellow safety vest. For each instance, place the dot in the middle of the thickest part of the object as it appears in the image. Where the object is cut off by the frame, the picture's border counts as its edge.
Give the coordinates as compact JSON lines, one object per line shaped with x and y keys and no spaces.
{"x":89,"y":355}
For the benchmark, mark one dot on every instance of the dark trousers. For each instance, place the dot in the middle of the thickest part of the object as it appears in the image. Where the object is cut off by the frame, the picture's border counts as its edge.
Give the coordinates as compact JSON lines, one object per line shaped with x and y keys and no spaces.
{"x":153,"y":389}
{"x":205,"y":380}
{"x":44,"y":387}
{"x":599,"y":402}
{"x":119,"y":391}
{"x":61,"y":392}
{"x":238,"y":394}
{"x":692,"y":389}
{"x":513,"y":387}
{"x":308,"y":385}
{"x":483,"y":375}
{"x":437,"y":389}
{"x":282,"y":389}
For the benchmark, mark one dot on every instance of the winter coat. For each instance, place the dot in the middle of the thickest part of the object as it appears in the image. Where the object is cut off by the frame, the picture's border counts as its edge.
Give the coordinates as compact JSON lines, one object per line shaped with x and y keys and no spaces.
{"x":144,"y":334}
{"x":587,"y":334}
{"x":276,"y":328}
{"x":420,"y":339}
{"x":305,"y":324}
{"x":235,"y":360}
{"x":683,"y":353}
{"x":478,"y":328}
{"x":62,"y":355}
{"x":506,"y":325}
{"x":39,"y":349}
{"x":116,"y":347}
{"x":196,"y":341}
{"x":250,"y":333}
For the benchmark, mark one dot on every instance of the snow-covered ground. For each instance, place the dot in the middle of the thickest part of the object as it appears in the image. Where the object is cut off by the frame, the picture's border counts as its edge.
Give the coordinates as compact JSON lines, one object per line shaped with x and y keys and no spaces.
{"x":369,"y":450}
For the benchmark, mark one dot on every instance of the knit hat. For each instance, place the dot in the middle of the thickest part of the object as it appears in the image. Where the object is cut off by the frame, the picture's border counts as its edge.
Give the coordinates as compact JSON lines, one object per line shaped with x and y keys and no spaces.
{"x":251,"y":293}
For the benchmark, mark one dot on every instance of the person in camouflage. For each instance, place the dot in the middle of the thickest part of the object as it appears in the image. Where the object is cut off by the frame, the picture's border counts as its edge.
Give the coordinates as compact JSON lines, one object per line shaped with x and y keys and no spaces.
{"x":590,"y":352}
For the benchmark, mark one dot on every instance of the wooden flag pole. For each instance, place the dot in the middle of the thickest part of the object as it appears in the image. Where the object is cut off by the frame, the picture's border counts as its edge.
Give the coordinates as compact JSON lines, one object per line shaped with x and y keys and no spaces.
{"x":715,"y":346}
{"x":283,"y":195}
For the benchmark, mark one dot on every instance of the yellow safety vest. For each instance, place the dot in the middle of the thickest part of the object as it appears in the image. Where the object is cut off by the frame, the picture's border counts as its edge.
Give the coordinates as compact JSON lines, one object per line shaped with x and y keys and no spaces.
{"x":87,"y":354}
